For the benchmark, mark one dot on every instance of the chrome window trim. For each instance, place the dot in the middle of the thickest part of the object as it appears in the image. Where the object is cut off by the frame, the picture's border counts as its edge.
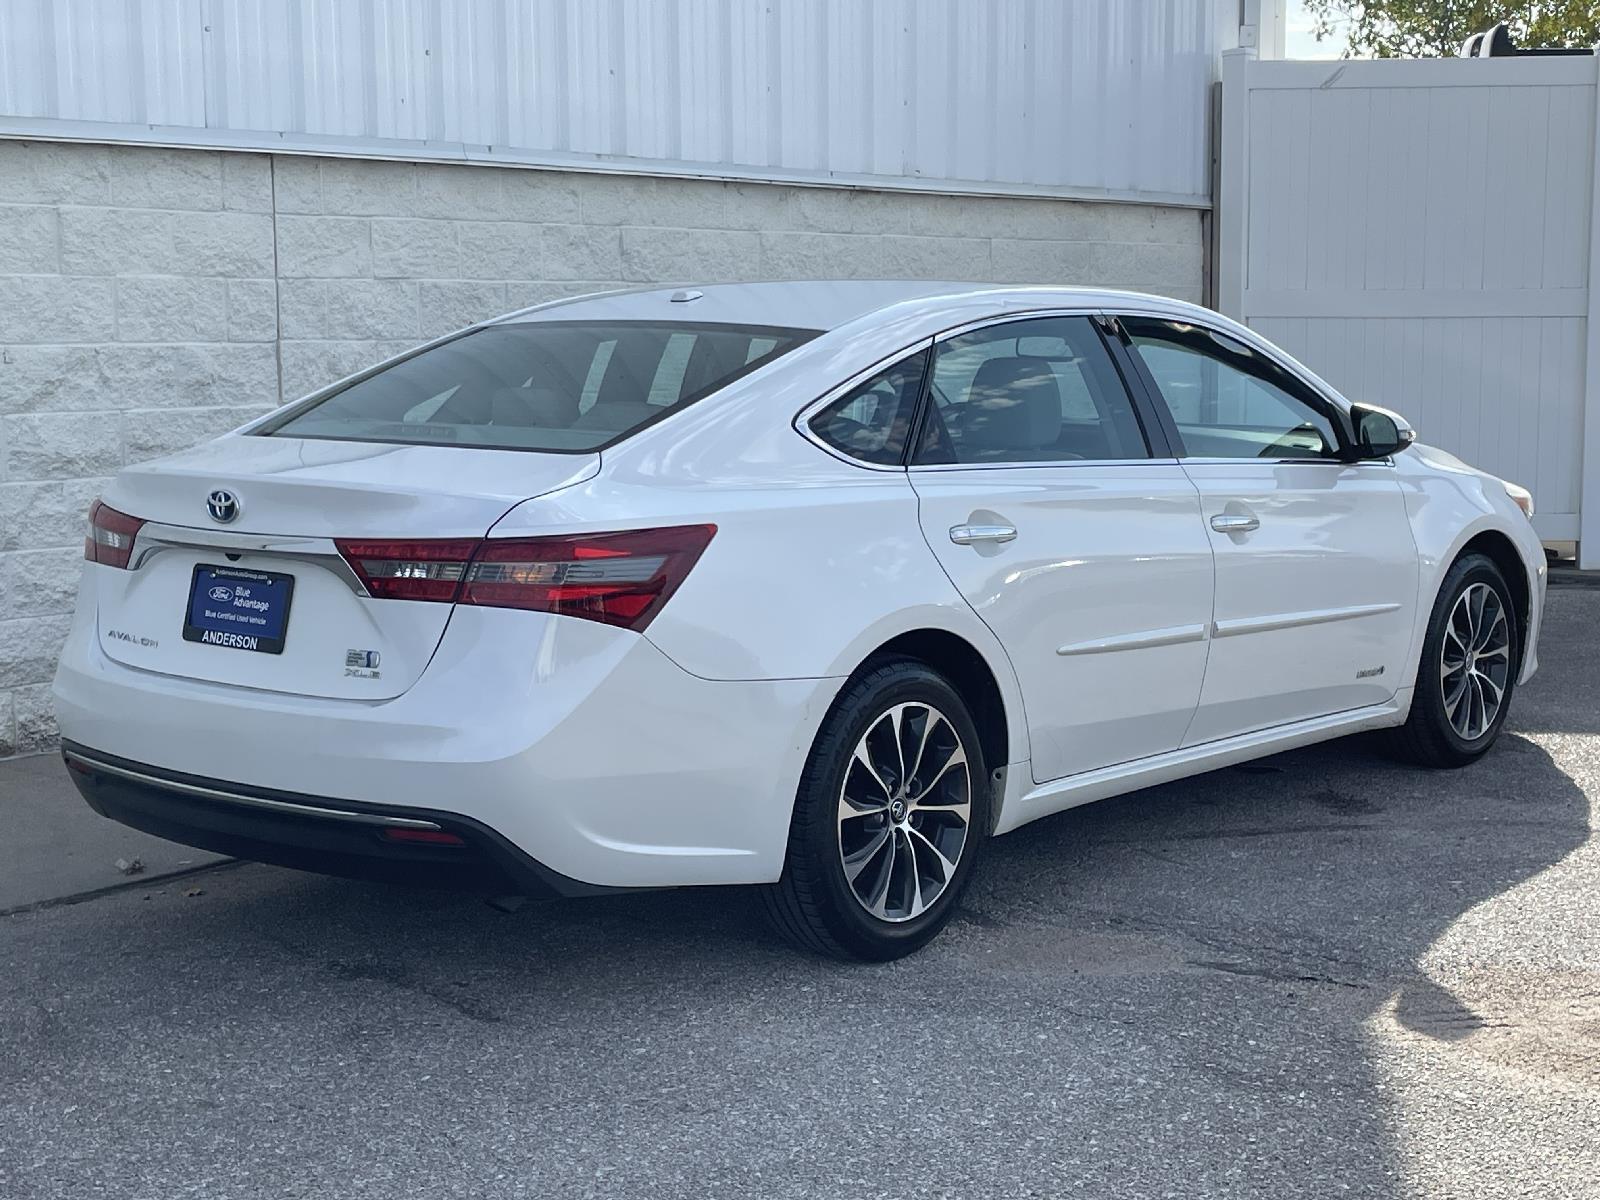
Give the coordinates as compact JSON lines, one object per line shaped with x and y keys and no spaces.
{"x":153,"y":538}
{"x":1051,"y":464}
{"x":802,"y":419}
{"x":1214,"y":461}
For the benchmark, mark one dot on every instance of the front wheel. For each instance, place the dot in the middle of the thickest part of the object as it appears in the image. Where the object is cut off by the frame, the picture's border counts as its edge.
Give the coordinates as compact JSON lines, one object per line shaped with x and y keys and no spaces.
{"x":891,"y":809}
{"x":1470,"y":660}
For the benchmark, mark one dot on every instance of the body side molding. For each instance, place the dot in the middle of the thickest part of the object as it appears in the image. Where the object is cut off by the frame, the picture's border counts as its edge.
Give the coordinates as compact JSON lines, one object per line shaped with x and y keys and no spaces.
{"x":1173,"y":636}
{"x":1316,"y":616}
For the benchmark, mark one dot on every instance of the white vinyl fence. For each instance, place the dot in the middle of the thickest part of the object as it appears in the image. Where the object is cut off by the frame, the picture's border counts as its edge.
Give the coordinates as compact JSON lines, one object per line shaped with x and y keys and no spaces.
{"x":1421,"y":234}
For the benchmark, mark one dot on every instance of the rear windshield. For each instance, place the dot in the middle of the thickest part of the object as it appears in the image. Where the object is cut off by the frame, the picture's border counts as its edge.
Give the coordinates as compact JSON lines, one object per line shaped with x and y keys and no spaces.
{"x":547,"y":385}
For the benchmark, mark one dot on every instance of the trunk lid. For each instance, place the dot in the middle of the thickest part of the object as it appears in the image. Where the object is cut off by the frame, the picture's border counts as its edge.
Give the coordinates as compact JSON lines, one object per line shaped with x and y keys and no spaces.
{"x":276,"y":555}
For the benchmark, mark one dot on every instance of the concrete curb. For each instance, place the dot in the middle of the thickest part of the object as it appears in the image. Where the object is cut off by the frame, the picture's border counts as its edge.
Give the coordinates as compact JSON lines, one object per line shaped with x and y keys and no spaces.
{"x":57,"y":850}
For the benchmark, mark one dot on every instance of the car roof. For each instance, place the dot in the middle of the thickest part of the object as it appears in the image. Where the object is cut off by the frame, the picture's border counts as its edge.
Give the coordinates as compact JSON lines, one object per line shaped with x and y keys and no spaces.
{"x":823,"y":304}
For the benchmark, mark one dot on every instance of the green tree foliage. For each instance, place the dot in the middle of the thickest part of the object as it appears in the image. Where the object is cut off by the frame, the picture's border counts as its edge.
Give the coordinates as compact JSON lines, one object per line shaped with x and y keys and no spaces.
{"x":1436,"y":28}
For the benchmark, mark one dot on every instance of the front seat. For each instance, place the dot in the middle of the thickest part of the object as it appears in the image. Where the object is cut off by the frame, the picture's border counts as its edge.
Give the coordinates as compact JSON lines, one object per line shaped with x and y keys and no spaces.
{"x":1012,"y":413}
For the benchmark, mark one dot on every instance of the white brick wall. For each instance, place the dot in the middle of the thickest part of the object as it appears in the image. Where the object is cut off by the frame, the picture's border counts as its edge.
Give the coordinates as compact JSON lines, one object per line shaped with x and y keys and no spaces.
{"x":152,"y":298}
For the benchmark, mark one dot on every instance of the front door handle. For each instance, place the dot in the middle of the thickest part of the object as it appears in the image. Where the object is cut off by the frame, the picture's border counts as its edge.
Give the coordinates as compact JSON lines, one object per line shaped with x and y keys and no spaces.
{"x":967,"y":535}
{"x":1235,"y":523}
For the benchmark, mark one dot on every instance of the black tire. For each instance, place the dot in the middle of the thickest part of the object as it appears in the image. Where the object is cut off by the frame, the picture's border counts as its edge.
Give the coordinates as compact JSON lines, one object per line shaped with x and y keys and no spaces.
{"x":1428,"y":737}
{"x":813,"y":904}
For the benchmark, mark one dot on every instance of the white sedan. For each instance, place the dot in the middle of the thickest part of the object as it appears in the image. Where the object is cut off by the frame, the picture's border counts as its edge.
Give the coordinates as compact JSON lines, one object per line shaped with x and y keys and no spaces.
{"x":813,"y":586}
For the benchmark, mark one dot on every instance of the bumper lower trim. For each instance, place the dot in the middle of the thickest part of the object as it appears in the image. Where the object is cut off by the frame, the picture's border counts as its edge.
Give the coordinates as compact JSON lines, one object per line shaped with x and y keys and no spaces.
{"x":312,"y":833}
{"x":77,"y":760}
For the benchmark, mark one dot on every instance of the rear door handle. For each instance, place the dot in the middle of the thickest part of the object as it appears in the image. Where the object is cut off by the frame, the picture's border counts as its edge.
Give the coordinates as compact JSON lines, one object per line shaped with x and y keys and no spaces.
{"x":967,"y":535}
{"x":1235,"y":523}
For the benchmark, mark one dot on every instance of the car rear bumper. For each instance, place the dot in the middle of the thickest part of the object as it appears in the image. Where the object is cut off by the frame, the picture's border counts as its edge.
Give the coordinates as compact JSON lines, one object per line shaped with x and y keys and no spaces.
{"x":335,"y":837}
{"x":582,"y":747}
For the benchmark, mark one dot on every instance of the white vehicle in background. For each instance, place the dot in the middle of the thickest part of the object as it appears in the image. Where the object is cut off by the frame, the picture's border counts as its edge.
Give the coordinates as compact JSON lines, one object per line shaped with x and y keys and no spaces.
{"x":813,"y":586}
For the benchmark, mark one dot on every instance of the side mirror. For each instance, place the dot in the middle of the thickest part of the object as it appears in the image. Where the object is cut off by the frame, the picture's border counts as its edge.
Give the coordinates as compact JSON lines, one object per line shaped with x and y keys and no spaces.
{"x":1379,"y":432}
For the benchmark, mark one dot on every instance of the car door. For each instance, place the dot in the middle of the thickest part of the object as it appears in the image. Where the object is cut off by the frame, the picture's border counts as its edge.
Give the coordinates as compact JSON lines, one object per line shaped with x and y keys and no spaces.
{"x":1076,"y":541}
{"x":1316,"y":568}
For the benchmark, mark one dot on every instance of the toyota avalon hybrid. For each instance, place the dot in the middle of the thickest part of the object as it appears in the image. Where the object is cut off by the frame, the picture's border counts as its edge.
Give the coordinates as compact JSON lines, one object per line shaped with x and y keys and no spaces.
{"x":809,"y":586}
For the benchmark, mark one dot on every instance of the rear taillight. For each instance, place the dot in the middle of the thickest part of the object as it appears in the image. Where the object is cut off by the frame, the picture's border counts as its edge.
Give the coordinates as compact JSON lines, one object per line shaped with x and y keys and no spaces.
{"x":111,"y":534}
{"x":619,"y":578}
{"x":414,"y":570}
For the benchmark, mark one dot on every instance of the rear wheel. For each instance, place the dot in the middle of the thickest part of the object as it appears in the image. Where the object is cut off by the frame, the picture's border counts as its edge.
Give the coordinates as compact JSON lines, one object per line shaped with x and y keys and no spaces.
{"x":1468,"y":669}
{"x":891,"y":809}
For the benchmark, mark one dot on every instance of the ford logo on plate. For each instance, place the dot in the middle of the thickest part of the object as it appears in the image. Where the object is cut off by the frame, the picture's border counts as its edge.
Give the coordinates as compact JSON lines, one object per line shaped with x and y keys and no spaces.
{"x":221,"y":594}
{"x":223,"y":506}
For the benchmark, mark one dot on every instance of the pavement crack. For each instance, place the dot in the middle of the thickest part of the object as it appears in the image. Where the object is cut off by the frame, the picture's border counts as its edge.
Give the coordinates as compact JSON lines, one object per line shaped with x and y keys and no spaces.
{"x":401,"y":978}
{"x":1160,"y":857}
{"x":1275,"y":976}
{"x":142,"y":883}
{"x":1263,"y":831}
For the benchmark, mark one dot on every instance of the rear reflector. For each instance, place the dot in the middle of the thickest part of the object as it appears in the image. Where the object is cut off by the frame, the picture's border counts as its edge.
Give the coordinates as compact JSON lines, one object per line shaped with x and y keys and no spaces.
{"x":111,"y":534}
{"x":620,"y":579}
{"x":424,"y":837}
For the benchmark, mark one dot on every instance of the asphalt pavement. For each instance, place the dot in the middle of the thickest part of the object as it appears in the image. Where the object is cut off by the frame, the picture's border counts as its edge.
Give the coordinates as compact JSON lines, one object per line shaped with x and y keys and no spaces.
{"x":1320,"y":975}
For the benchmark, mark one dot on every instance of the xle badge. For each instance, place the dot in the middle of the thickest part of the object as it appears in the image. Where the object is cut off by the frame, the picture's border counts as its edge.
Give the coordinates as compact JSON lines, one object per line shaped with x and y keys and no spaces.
{"x":361,"y":664}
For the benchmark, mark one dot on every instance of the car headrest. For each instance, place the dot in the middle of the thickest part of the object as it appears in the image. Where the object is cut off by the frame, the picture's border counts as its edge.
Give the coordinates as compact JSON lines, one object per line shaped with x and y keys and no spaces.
{"x":1013,"y":404}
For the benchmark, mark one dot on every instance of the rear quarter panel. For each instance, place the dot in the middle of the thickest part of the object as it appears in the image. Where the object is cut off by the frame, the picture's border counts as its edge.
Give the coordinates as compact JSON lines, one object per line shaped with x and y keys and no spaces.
{"x":815,"y":564}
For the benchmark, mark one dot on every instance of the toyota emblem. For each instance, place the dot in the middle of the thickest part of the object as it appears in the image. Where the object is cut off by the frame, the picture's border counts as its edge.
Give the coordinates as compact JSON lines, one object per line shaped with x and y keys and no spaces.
{"x":223,"y":506}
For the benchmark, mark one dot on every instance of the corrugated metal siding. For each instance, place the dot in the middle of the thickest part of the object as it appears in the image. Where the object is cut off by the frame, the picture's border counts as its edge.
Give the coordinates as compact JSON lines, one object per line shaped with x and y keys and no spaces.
{"x":1089,"y":96}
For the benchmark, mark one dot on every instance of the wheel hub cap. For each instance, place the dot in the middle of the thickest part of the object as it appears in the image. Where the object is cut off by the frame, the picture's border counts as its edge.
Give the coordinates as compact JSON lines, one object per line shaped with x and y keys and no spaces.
{"x":904,"y":809}
{"x":1475,"y":661}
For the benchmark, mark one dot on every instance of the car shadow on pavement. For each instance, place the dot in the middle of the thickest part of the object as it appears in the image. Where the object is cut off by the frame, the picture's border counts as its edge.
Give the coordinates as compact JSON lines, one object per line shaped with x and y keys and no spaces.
{"x":1173,"y":991}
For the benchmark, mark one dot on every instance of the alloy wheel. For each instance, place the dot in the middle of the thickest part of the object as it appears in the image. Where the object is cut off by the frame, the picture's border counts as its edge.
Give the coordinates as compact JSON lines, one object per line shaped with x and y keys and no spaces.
{"x":904,"y":812}
{"x":1475,"y":661}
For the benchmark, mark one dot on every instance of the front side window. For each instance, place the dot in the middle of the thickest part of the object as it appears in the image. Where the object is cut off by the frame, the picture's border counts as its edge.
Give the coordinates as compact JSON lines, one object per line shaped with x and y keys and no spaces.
{"x":1040,"y":390}
{"x":540,"y":385}
{"x":1228,"y":400}
{"x":871,"y":421}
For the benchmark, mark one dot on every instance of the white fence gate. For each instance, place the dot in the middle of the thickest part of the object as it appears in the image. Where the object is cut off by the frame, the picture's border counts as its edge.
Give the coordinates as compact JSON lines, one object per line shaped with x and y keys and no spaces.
{"x":1422,"y":235}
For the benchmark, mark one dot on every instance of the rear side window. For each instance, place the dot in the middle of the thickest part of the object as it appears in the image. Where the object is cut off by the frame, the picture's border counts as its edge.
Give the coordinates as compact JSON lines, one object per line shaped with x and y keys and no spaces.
{"x":1038,"y":390}
{"x":548,"y":385}
{"x":872,"y":421}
